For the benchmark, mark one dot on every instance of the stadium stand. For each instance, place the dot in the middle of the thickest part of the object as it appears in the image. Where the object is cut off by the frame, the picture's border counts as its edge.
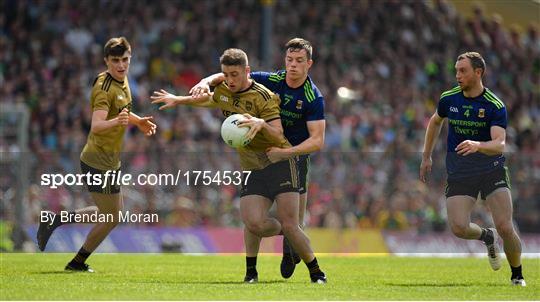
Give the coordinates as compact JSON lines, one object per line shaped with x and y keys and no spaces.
{"x":396,"y":56}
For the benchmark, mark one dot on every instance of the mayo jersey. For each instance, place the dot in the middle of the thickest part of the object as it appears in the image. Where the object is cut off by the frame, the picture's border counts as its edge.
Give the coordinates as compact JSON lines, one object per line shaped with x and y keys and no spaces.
{"x":298,"y":105}
{"x":471,"y":119}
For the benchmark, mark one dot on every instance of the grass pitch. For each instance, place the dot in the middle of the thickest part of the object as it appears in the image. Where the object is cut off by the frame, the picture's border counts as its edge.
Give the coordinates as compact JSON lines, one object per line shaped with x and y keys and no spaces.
{"x":181,"y":277}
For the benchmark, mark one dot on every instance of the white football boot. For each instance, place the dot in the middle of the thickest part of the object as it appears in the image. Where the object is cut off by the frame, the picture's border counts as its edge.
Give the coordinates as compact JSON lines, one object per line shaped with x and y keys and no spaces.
{"x":493,"y":250}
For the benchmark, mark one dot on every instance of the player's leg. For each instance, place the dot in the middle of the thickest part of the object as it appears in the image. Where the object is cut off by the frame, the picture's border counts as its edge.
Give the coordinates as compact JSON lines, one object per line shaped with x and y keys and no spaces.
{"x":461,"y":196}
{"x":252,"y":243}
{"x":287,"y":211}
{"x":254,"y":213}
{"x":303,"y":170}
{"x":107,"y":204}
{"x":459,"y":209}
{"x":46,"y":228}
{"x":499,"y":202}
{"x":500,"y":205}
{"x":302,"y":209}
{"x":290,"y":257}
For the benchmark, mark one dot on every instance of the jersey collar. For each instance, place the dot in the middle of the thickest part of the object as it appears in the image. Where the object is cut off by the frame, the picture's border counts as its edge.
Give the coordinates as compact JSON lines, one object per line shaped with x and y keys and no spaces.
{"x":119,"y":82}
{"x":250,"y":86}
{"x":474,"y":97}
{"x":301,"y":86}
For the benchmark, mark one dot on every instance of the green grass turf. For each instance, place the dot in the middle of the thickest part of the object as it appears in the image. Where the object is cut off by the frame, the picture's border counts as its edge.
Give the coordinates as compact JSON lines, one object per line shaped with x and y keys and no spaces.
{"x":181,"y":277}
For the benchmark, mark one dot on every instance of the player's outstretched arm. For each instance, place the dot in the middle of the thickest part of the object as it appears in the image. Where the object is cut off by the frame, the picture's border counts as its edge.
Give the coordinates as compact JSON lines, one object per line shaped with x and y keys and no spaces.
{"x":170,"y":100}
{"x":493,"y":147}
{"x":100,"y":122}
{"x":203,"y":86}
{"x":432,"y":133}
{"x":144,"y":124}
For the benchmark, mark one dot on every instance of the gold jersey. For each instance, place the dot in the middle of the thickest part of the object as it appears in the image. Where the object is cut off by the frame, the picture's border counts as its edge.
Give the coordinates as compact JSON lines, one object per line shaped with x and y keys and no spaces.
{"x":259,"y":102}
{"x":102,"y":150}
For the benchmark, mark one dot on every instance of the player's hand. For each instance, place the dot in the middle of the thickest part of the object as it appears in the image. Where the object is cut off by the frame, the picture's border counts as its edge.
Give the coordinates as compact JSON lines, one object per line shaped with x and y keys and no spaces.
{"x":163,"y":97}
{"x":254,"y":123}
{"x":146,"y":126}
{"x":467,"y":147}
{"x":425,"y":168}
{"x":123,"y":117}
{"x":200,"y":89}
{"x":276,"y":154}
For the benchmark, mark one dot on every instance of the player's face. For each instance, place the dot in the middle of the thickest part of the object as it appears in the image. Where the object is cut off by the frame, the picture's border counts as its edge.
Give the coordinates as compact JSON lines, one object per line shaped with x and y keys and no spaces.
{"x":118,"y":66}
{"x":466,"y":76}
{"x":236,"y":77}
{"x":297,"y":63}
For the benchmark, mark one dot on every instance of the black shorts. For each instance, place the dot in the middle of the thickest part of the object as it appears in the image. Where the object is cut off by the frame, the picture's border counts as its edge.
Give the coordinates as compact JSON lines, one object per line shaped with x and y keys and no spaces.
{"x":93,"y":186}
{"x":303,"y":173}
{"x":485,"y":184}
{"x":277,"y":178}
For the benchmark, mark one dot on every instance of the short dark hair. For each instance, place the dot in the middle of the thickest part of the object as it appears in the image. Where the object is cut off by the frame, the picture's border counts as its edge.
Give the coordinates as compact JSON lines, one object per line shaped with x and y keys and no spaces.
{"x":298,"y":44}
{"x":476,"y":60}
{"x":234,"y":57}
{"x":116,"y":47}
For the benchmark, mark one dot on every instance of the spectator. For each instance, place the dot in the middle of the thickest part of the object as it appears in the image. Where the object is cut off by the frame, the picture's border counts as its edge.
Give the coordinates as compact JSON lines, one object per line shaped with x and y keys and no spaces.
{"x":394,"y":56}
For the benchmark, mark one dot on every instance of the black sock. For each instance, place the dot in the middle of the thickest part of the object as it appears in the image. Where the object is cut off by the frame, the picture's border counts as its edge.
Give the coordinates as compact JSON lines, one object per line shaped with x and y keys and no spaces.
{"x":81,"y":256}
{"x":516,"y":272}
{"x":251,"y":266}
{"x":313,"y":267}
{"x":486,"y":236}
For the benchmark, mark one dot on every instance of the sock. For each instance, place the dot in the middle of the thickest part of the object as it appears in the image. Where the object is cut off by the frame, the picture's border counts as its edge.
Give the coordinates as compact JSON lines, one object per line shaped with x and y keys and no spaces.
{"x":251,"y":266}
{"x":313,"y":267}
{"x":81,"y":256}
{"x":486,"y":236}
{"x":516,"y":272}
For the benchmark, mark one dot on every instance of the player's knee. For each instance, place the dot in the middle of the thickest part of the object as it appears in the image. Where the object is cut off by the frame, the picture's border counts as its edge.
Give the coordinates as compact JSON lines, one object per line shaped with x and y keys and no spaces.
{"x":254,"y":227}
{"x":505,"y":230}
{"x":289,"y":227}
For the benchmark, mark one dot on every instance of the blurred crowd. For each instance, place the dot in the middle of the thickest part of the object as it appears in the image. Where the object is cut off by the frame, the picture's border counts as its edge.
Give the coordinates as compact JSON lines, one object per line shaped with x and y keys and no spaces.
{"x":394,"y":57}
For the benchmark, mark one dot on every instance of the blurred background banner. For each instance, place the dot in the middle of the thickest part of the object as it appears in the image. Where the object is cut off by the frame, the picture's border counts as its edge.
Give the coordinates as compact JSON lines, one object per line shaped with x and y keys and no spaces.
{"x":447,"y":245}
{"x":381,"y":66}
{"x":128,"y":239}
